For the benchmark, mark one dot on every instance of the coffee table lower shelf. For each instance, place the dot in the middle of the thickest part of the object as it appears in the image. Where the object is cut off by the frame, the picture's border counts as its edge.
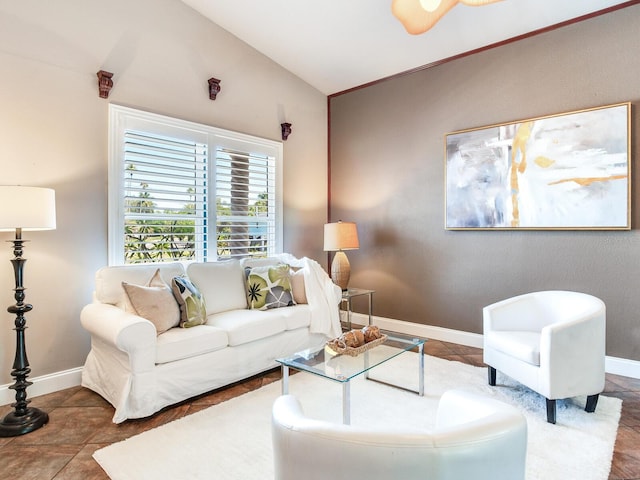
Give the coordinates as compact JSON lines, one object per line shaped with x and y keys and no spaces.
{"x":344,"y":368}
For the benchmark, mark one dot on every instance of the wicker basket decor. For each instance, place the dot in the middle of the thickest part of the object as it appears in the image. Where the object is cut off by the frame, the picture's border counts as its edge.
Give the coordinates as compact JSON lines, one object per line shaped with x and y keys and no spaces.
{"x":339,"y":346}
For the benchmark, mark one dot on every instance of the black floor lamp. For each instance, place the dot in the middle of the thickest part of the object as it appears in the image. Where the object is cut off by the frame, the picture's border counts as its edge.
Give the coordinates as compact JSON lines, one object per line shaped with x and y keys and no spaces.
{"x":23,"y":208}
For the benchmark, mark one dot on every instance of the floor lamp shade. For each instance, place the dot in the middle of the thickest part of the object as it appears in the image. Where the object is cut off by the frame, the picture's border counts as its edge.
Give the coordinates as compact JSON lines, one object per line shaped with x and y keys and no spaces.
{"x":27,"y":208}
{"x":338,"y":237}
{"x":23,"y":208}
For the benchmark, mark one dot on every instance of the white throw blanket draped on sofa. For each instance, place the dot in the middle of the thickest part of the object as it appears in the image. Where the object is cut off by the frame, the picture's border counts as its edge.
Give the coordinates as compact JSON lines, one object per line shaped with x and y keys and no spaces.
{"x":322,"y":295}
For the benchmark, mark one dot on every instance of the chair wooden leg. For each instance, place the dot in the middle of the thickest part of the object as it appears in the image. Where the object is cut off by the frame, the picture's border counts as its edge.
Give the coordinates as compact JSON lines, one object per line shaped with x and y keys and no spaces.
{"x":492,"y":376}
{"x":551,"y":411}
{"x":592,"y":401}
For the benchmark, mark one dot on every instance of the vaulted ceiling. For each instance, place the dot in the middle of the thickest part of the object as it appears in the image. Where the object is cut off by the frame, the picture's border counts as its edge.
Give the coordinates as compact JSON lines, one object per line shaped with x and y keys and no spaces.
{"x":335,"y":45}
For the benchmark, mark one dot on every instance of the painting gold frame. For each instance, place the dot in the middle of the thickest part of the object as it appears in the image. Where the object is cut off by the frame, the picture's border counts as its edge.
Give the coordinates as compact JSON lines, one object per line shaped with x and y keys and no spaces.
{"x":567,"y":171}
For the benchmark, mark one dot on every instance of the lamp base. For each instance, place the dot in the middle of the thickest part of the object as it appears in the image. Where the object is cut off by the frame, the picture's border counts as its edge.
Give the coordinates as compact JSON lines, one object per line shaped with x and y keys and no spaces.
{"x":13,"y":425}
{"x":340,"y":270}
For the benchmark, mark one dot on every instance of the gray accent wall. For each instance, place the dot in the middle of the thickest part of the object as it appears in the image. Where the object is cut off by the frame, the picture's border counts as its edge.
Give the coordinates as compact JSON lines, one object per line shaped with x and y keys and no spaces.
{"x":387,"y":175}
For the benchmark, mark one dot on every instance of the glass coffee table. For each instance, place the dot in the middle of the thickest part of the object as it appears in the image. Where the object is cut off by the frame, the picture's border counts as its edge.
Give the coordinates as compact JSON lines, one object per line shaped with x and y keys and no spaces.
{"x":342,"y":368}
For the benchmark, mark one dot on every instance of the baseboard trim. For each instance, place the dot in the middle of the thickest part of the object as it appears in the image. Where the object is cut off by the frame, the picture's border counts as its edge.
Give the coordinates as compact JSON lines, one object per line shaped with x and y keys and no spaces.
{"x":54,"y":382}
{"x":622,"y":366}
{"x":613,"y":365}
{"x":43,"y":385}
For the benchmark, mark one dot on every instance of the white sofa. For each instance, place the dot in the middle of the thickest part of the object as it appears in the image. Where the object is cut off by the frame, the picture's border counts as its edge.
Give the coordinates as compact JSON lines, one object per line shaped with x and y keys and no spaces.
{"x":475,"y":437}
{"x":140,"y":371}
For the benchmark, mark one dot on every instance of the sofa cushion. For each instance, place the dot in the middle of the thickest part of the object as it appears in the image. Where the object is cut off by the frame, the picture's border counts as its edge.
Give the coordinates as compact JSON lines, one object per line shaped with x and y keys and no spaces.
{"x":180,"y":343}
{"x":109,"y":280}
{"x":522,"y":345}
{"x":193,"y":310}
{"x":244,"y":326}
{"x":296,"y":317}
{"x":155,"y":302}
{"x":269,"y":287}
{"x":221,"y":285}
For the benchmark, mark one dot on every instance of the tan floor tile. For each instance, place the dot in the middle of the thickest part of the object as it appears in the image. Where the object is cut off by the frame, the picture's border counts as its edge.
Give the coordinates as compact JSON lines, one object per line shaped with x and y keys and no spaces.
{"x":83,"y":466}
{"x":110,"y":432}
{"x":28,"y":462}
{"x":83,"y":397}
{"x":465,"y":350}
{"x":68,"y":426}
{"x":436,"y":348}
{"x":620,"y":383}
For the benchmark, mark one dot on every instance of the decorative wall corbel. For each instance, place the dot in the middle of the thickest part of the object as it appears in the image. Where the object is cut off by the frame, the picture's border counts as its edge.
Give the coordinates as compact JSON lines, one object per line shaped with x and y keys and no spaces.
{"x":286,"y":130}
{"x":214,"y":88}
{"x":104,"y":83}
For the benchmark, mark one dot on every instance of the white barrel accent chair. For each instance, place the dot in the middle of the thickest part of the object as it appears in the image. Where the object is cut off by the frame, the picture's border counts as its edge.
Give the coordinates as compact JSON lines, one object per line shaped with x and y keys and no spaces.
{"x":551,"y":341}
{"x":474,"y":437}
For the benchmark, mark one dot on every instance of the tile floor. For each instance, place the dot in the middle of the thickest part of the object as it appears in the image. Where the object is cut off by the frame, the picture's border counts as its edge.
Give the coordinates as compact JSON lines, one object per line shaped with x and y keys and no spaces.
{"x":80,"y":423}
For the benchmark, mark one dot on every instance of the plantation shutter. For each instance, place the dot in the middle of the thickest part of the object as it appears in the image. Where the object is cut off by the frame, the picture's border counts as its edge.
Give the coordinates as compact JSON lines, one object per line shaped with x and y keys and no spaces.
{"x":165,"y":201}
{"x":245,"y":204}
{"x":175,"y":184}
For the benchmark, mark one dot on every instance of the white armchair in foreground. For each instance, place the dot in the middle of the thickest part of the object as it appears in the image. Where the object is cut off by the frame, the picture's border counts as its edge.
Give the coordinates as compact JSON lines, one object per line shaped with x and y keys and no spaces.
{"x":475,"y":437}
{"x":551,"y":341}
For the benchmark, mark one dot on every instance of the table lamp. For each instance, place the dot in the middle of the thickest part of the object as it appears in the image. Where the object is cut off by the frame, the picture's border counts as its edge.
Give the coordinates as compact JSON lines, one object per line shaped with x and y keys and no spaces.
{"x":338,"y":237}
{"x":23,"y":208}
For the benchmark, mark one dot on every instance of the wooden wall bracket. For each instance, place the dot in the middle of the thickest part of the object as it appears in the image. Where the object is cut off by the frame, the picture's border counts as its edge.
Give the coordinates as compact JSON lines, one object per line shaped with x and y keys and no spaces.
{"x":214,"y":88}
{"x":104,"y":83}
{"x":286,"y":130}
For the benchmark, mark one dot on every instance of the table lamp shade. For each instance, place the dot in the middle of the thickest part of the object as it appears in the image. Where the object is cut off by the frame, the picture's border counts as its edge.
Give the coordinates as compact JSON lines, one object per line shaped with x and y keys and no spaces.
{"x":27,"y":208}
{"x":340,"y":236}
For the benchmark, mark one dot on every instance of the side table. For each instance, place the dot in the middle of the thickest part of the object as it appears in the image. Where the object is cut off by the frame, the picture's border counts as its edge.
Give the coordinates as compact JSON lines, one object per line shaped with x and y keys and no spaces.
{"x":349,"y":294}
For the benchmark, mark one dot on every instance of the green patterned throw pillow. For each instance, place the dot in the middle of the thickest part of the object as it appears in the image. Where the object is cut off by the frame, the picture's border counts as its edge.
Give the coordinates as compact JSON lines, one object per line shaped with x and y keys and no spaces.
{"x":192,"y":307}
{"x":269,"y":287}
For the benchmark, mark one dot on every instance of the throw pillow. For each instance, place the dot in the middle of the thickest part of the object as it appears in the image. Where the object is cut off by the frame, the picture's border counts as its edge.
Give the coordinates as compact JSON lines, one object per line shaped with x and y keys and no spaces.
{"x":193,"y":310}
{"x":155,"y":302}
{"x":269,"y":287}
{"x":297,"y":285}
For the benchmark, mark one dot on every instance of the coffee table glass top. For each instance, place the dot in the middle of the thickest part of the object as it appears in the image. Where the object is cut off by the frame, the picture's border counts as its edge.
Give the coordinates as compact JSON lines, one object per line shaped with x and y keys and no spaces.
{"x":342,"y":368}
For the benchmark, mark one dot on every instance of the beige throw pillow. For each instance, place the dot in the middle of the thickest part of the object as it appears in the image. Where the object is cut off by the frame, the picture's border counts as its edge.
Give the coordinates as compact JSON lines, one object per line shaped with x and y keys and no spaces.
{"x":155,"y":302}
{"x":297,"y":285}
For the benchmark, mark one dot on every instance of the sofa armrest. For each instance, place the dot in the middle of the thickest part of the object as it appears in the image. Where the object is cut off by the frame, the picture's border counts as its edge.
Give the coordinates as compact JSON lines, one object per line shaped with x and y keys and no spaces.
{"x":124,"y":331}
{"x":574,"y":346}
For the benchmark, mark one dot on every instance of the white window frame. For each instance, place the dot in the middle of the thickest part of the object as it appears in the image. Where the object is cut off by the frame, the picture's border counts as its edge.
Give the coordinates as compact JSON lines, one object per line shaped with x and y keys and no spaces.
{"x":122,"y":119}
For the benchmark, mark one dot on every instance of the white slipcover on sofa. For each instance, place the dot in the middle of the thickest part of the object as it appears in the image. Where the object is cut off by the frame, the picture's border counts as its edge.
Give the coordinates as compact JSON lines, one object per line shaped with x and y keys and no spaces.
{"x":475,"y":437}
{"x":551,"y":341}
{"x":140,"y":371}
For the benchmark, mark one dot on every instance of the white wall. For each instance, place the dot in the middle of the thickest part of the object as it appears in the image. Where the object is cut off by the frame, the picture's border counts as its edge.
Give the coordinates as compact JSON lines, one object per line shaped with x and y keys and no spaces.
{"x":53,"y":133}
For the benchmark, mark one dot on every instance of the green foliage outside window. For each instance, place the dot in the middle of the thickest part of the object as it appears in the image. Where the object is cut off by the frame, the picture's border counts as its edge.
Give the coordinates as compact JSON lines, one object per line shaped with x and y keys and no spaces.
{"x":163,"y":240}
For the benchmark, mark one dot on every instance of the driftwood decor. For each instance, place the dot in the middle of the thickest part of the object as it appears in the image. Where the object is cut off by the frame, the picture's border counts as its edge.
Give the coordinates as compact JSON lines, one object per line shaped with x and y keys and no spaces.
{"x":104,"y":83}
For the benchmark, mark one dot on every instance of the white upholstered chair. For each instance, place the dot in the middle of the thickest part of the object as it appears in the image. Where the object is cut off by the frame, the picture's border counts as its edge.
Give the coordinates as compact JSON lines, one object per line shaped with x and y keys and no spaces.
{"x":474,"y":437}
{"x":551,"y":341}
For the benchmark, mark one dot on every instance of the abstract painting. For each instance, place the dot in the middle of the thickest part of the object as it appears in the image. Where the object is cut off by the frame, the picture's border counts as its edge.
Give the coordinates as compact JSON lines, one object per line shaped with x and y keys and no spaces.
{"x":569,"y":171}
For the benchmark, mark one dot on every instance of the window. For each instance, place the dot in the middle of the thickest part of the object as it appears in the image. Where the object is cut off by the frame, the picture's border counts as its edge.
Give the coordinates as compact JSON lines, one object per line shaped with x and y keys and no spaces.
{"x":184,"y":191}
